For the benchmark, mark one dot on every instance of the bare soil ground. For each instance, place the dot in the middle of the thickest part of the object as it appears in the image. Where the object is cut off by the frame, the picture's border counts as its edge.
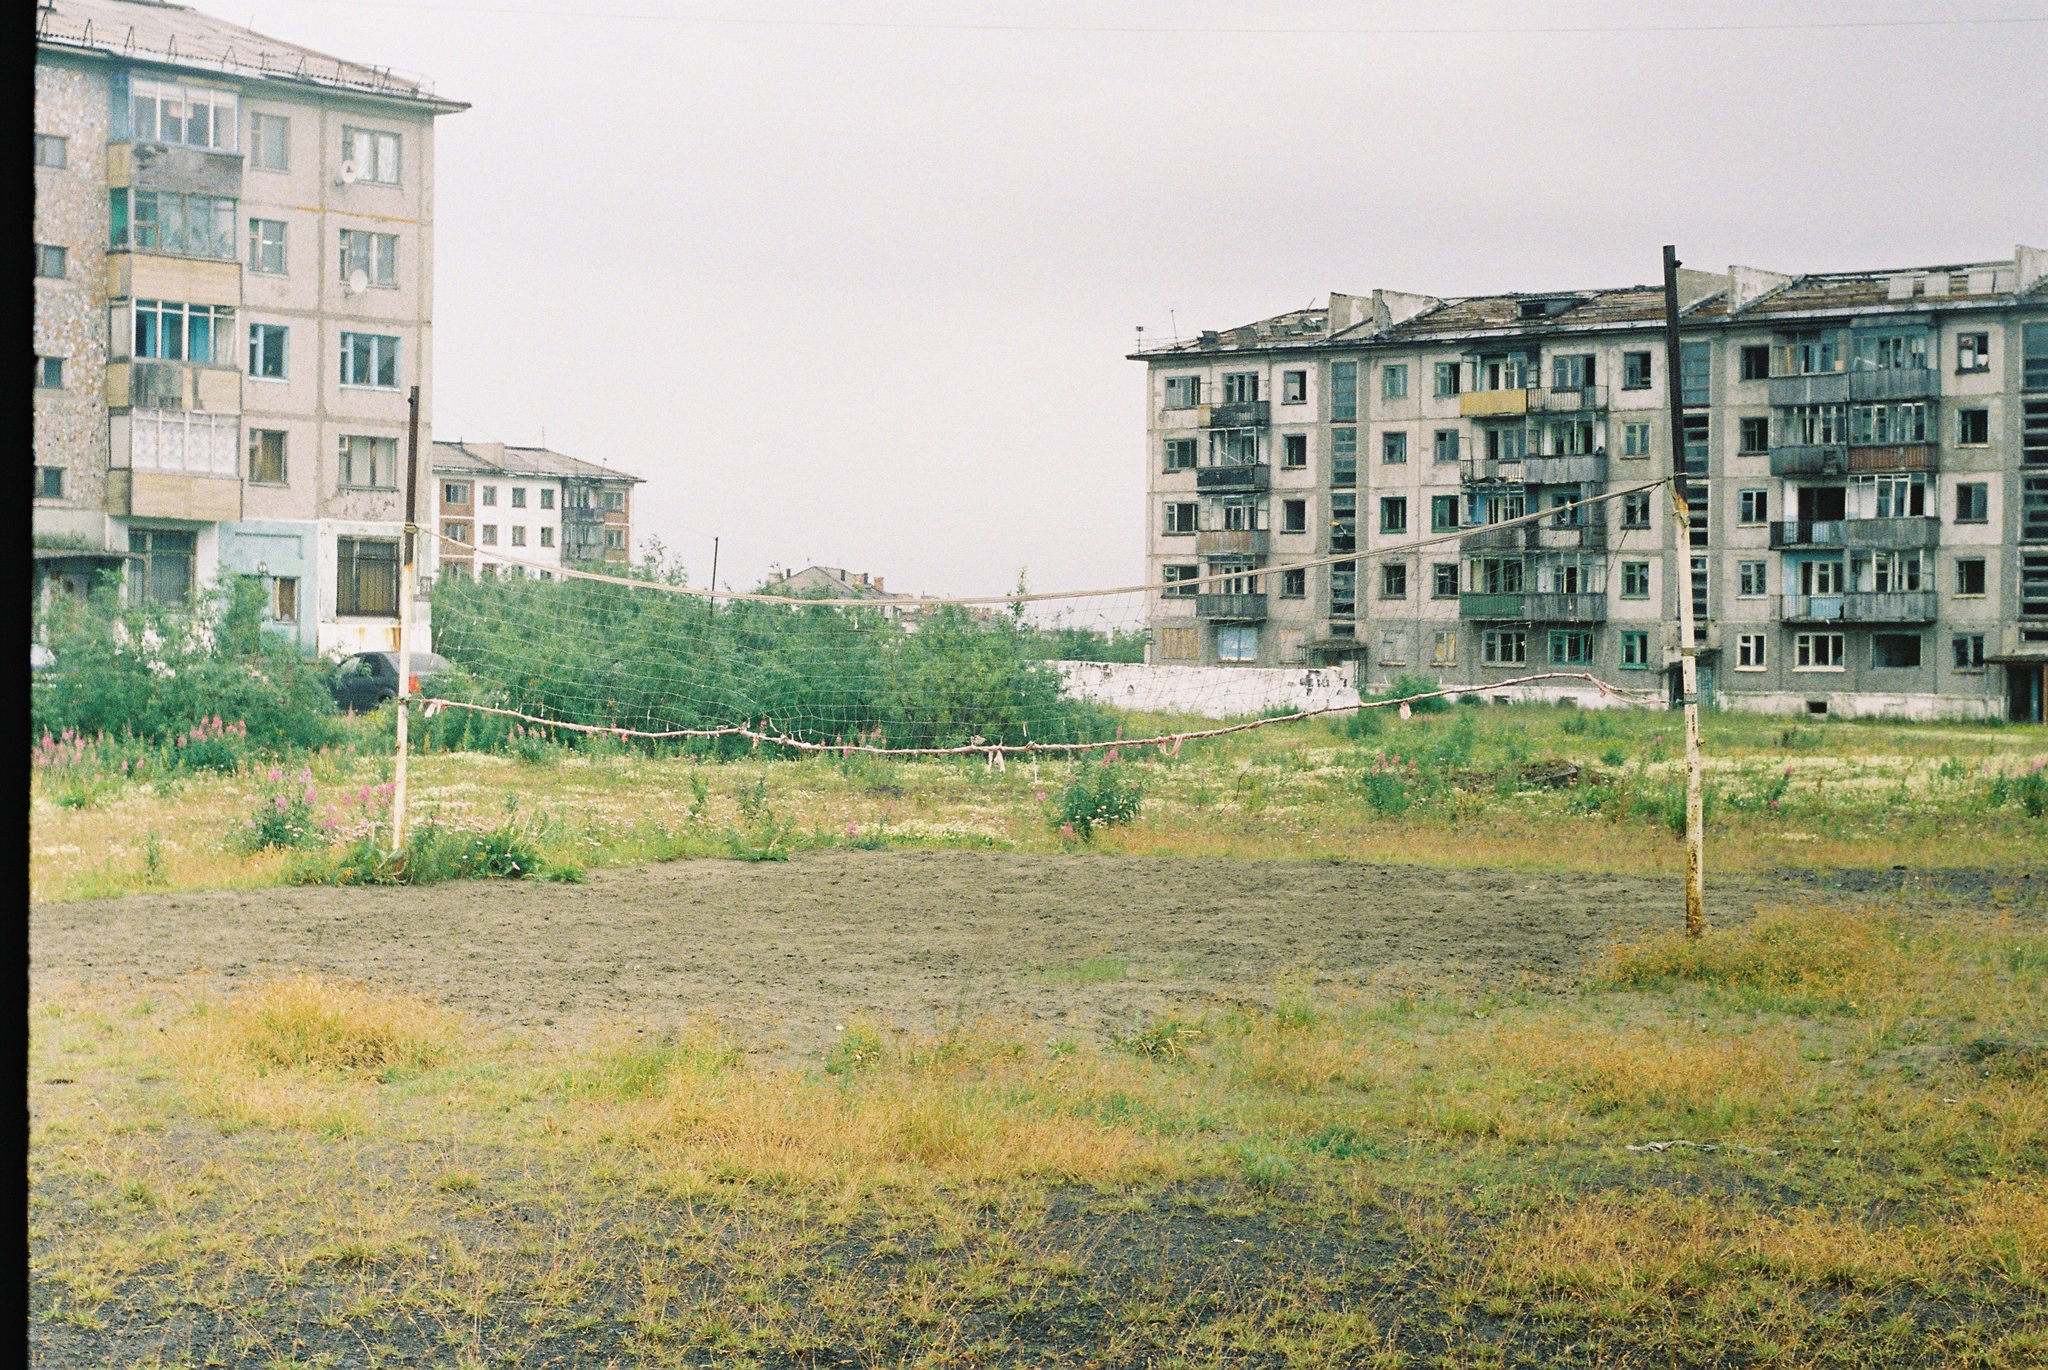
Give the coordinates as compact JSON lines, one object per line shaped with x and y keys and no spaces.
{"x":913,"y":939}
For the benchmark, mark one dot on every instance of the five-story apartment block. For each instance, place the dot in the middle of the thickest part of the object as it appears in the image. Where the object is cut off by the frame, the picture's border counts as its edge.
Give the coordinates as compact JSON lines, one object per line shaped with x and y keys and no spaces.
{"x":234,"y":293}
{"x":1864,"y":455}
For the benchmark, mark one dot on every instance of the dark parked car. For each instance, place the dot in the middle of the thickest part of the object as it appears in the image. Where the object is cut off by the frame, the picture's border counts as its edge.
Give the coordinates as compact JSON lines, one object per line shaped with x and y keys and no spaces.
{"x":367,"y":679}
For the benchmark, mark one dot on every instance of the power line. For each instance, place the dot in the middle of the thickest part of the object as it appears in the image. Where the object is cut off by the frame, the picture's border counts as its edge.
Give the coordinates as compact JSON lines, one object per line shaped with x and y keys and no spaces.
{"x":1234,"y":31}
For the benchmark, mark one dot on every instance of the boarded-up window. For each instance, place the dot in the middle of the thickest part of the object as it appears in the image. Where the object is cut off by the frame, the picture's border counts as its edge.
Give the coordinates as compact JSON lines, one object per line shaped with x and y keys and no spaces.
{"x":1179,"y":644}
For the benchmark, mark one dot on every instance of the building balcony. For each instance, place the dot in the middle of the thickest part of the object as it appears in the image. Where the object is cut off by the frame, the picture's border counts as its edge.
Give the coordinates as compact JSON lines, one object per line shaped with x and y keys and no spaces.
{"x":1233,"y":479}
{"x":1830,"y":387}
{"x":1534,"y":607}
{"x":1581,"y":537}
{"x":1584,"y":399}
{"x":1898,"y":456}
{"x":1231,"y":608}
{"x":1565,"y":470}
{"x":1238,"y":414}
{"x":1218,"y":542}
{"x":1493,"y":404}
{"x":1892,"y":535}
{"x":1862,"y":606}
{"x":1895,"y":383}
{"x":1513,"y":538}
{"x":1805,"y":534}
{"x":1810,"y":459}
{"x":143,"y":384}
{"x":184,"y":495}
{"x":1492,"y":471}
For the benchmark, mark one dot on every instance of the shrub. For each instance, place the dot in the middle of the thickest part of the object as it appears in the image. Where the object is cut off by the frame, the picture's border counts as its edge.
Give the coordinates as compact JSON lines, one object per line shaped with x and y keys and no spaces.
{"x":432,"y":854}
{"x":1101,"y":793}
{"x":1406,"y":686}
{"x":2028,"y":789}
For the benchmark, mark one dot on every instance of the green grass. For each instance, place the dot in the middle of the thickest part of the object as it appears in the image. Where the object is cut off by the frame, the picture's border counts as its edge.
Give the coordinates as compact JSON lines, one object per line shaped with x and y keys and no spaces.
{"x":1819,"y":1138}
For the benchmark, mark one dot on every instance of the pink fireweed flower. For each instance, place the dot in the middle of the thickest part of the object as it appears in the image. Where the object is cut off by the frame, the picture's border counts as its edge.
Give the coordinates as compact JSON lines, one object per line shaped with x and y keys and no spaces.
{"x":275,"y":775}
{"x":279,"y":801}
{"x":1038,"y":796}
{"x":852,"y":829}
{"x":1067,"y":831}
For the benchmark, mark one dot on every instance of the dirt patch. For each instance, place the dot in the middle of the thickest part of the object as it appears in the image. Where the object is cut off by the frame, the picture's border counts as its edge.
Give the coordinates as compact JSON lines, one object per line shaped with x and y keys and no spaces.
{"x":918,"y":940}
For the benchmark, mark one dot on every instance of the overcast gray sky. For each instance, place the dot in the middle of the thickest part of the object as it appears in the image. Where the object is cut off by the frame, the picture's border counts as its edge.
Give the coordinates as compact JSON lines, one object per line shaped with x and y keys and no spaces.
{"x":857,"y":292}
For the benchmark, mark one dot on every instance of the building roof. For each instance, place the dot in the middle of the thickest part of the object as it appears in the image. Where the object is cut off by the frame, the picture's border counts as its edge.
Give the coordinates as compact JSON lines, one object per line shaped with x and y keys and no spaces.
{"x":837,"y":580}
{"x":506,"y":459}
{"x":1738,"y":295}
{"x":179,"y":36}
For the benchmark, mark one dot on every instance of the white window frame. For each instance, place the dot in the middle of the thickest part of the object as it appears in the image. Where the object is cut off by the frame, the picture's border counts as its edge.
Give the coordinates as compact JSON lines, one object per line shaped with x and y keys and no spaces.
{"x":373,"y":254}
{"x":1752,"y":508}
{"x":381,"y":454}
{"x":1803,"y":652}
{"x":1752,"y":652}
{"x":374,"y":151}
{"x":284,"y":352}
{"x":383,"y":348}
{"x":260,"y":146}
{"x":260,"y":243}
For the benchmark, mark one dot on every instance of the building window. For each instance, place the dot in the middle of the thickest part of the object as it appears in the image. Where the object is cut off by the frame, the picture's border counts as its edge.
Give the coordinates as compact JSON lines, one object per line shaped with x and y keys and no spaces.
{"x":1696,"y":372}
{"x":1443,"y":647}
{"x":1443,"y":513}
{"x":1394,"y":382}
{"x":1174,"y":575}
{"x":369,"y":359}
{"x":1294,"y":387}
{"x":547,"y":497}
{"x":1394,"y":448}
{"x":1180,"y":454}
{"x":1756,"y":363}
{"x":366,"y":579}
{"x":167,"y":112}
{"x":268,"y":350}
{"x":270,"y":142}
{"x":547,"y":537}
{"x":1572,"y":371}
{"x":1504,"y":646}
{"x":1343,"y":457}
{"x":1887,"y":423}
{"x":1970,"y":576}
{"x":52,"y":263}
{"x":1180,"y":518}
{"x":1635,"y":650}
{"x":1446,"y":444}
{"x":1807,"y":354}
{"x":1635,"y":509}
{"x":374,"y":155}
{"x":1444,"y":580}
{"x":1973,"y":427}
{"x":1817,"y":652}
{"x":1183,"y":392}
{"x":1344,"y":391}
{"x":266,"y":246}
{"x":284,"y":599}
{"x":166,"y":331}
{"x":518,"y":497}
{"x":1752,"y":507}
{"x":1448,"y":378}
{"x":1294,"y":516}
{"x":1973,"y":352}
{"x":491,"y":495}
{"x":49,"y":373}
{"x":1698,"y":436}
{"x":1294,"y":583}
{"x":518,"y":535}
{"x":1635,"y":371}
{"x":1241,"y":387}
{"x":373,"y":254}
{"x":369,"y":463}
{"x":1635,"y":440}
{"x":1749,"y":652}
{"x":1895,"y":651}
{"x":490,"y":535}
{"x":615,"y":539}
{"x":1635,"y":580}
{"x":165,"y":574}
{"x":1237,"y":642}
{"x":1343,"y":523}
{"x":614,"y":501}
{"x":1969,"y":651}
{"x":1570,"y":647}
{"x":1294,"y":451}
{"x":454,"y":492}
{"x":1755,"y":436}
{"x":1973,"y":502}
{"x":49,"y":482}
{"x":266,"y":456}
{"x":173,"y":224}
{"x":456,"y":532}
{"x":1394,"y":514}
{"x":1394,"y":580}
{"x":1752,"y":579}
{"x":53,"y":151}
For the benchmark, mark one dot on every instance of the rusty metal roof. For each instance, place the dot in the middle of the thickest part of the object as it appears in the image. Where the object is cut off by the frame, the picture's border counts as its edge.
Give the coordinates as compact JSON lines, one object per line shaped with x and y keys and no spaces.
{"x":504,"y":459}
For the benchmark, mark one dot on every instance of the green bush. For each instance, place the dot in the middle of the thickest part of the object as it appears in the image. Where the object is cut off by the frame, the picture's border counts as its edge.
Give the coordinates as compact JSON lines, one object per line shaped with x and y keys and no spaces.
{"x":1102,"y":793}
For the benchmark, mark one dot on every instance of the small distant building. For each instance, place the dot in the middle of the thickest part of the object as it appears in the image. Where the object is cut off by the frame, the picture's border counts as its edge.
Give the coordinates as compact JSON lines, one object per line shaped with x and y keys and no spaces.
{"x":836,"y":582}
{"x":530,"y":505}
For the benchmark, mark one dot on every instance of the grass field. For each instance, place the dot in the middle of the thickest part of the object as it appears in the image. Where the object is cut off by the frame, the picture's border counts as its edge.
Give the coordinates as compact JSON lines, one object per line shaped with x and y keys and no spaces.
{"x":1040,"y":1101}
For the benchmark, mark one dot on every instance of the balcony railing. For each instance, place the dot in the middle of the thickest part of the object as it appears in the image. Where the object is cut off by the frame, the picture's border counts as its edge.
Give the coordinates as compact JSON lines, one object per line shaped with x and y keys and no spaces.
{"x":1805,"y":533}
{"x":1513,"y":538}
{"x":1862,"y":606}
{"x":1535,"y":607}
{"x":1565,"y":470}
{"x":1584,"y":399}
{"x":1236,"y":608}
{"x":1895,"y":383}
{"x":1492,"y":471}
{"x":1589,"y":536}
{"x":1827,"y":387}
{"x":1810,"y":459}
{"x":1893,"y":534}
{"x":1231,"y":479}
{"x":1238,"y":414}
{"x":1898,"y":456}
{"x":1231,"y":542}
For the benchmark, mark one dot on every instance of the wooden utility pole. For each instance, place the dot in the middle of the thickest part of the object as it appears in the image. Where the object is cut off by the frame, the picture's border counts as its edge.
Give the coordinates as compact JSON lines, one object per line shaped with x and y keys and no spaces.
{"x":1688,"y":649}
{"x":408,"y":553}
{"x":711,"y":600}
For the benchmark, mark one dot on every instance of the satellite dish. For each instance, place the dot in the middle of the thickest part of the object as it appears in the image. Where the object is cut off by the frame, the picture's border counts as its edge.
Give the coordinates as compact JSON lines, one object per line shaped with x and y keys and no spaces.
{"x":348,"y":173}
{"x":358,"y":282}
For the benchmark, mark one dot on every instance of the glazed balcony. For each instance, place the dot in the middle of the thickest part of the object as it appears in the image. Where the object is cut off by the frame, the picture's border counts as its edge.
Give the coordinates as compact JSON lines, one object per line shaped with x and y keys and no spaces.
{"x":1895,"y":383}
{"x":1221,"y":480}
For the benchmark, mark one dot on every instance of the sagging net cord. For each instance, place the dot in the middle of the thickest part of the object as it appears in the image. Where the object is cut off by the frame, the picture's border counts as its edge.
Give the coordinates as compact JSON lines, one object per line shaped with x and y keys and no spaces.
{"x":494,"y":556}
{"x":1169,"y":743}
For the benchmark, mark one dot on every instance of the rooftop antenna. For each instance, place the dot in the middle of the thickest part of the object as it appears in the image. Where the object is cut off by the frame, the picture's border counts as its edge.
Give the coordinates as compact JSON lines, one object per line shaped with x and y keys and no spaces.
{"x":1140,"y":344}
{"x":1173,"y":323}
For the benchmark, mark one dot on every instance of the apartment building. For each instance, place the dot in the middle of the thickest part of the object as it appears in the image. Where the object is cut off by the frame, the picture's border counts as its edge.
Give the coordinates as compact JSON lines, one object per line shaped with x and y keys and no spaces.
{"x":1865,"y":457}
{"x":541,"y":509}
{"x":233,"y":295}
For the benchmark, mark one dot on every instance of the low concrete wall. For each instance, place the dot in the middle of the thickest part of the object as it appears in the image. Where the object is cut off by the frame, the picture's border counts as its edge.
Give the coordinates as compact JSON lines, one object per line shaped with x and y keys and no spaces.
{"x":1863,"y":704}
{"x":1209,"y":691}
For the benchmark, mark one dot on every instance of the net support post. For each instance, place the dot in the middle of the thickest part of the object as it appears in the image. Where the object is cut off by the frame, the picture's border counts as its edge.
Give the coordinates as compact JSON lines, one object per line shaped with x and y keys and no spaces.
{"x":408,"y":575}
